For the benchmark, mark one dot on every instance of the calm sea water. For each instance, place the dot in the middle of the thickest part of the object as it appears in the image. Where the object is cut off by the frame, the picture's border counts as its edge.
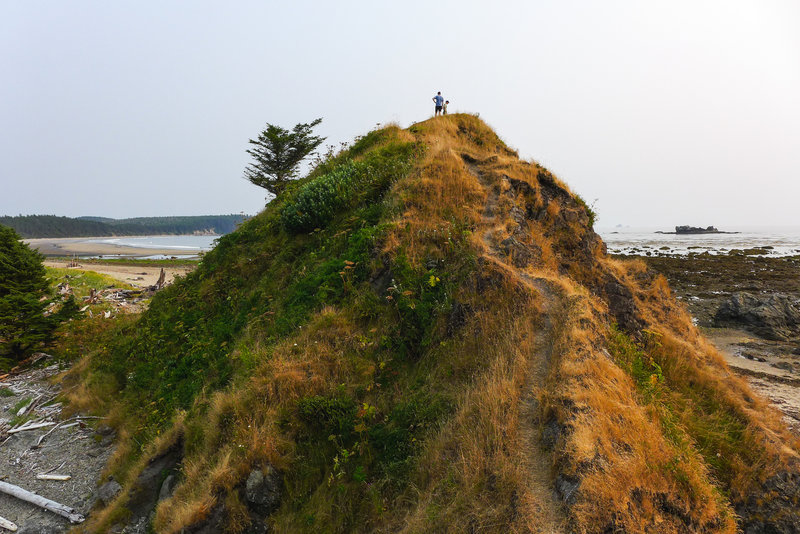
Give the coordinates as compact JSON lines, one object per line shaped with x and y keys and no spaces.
{"x":192,"y":243}
{"x":785,"y":241}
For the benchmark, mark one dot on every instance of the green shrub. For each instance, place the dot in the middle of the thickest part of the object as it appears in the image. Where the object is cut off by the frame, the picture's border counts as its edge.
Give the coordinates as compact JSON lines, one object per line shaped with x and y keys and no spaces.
{"x":630,"y":356}
{"x":589,"y":210}
{"x":318,"y":201}
{"x":348,"y":184}
{"x":331,"y":416}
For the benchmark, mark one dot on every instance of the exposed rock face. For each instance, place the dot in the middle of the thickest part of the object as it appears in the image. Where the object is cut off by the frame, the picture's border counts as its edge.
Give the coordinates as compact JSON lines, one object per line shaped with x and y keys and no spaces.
{"x":775,"y":317}
{"x":107,"y":492}
{"x":767,"y":513}
{"x":149,"y":489}
{"x":262,"y":490}
{"x":621,"y":304}
{"x":167,"y":487}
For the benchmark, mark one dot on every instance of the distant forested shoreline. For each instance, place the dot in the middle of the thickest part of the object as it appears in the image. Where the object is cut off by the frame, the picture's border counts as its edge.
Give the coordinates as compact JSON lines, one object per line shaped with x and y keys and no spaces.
{"x":33,"y":226}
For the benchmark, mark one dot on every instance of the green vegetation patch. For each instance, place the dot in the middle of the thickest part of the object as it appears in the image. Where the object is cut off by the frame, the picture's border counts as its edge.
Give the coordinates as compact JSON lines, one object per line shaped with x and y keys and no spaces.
{"x":318,"y":201}
{"x":693,"y":414}
{"x":313,"y":204}
{"x":262,"y":278}
{"x":82,"y":282}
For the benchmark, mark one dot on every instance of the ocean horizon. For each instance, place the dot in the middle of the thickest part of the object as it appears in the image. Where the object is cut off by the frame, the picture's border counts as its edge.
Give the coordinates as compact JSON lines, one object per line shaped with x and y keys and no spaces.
{"x":772,"y":240}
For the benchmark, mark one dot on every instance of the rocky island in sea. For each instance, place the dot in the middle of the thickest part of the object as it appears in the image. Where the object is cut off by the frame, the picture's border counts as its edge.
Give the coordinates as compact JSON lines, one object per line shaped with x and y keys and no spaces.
{"x":683,"y":230}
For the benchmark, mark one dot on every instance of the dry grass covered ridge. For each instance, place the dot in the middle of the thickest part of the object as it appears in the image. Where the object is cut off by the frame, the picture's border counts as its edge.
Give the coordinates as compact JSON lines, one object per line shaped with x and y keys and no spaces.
{"x":425,"y":334}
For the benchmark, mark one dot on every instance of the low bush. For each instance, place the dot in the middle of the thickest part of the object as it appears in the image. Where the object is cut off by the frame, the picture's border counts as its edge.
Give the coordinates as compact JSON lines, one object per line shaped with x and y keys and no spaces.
{"x":317,"y":201}
{"x":349,"y":184}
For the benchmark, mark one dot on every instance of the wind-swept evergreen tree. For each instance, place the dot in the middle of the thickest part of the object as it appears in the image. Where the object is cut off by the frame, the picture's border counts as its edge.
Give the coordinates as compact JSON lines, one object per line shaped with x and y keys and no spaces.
{"x":278,"y":153}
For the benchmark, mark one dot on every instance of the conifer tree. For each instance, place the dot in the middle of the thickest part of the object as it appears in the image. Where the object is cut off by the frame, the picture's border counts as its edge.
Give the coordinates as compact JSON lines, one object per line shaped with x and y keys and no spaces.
{"x":23,"y":298}
{"x":278,"y":152}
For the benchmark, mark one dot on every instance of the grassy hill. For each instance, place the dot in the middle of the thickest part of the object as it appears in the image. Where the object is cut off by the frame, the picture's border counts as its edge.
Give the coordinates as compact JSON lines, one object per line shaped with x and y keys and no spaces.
{"x":34,"y":226}
{"x":426,"y":334}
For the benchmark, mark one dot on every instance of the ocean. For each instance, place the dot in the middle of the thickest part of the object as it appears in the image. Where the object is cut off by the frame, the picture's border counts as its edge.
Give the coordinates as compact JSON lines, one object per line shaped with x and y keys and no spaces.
{"x":190,"y":243}
{"x":776,"y":241}
{"x":773,"y":241}
{"x":185,"y":246}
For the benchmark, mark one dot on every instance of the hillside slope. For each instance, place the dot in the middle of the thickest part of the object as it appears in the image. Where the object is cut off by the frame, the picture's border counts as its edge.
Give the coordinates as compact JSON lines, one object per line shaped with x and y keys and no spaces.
{"x":427,"y":335}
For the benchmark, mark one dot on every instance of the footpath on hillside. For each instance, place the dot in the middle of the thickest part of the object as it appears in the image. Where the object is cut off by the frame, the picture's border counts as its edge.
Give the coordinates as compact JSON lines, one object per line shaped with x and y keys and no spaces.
{"x":538,"y":461}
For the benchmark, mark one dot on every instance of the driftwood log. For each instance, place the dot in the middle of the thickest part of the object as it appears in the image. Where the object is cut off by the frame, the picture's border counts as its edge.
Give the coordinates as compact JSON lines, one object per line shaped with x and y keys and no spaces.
{"x":161,"y":280}
{"x":8,"y":525}
{"x":30,"y":427}
{"x":60,"y":478}
{"x":42,"y":502}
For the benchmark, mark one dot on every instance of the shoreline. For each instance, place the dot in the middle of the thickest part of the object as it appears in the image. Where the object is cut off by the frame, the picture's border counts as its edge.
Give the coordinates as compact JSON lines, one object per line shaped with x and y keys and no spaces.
{"x":82,"y":246}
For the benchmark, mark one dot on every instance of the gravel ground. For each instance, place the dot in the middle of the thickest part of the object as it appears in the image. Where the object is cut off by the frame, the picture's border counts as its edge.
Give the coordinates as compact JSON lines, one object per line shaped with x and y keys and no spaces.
{"x":78,"y":451}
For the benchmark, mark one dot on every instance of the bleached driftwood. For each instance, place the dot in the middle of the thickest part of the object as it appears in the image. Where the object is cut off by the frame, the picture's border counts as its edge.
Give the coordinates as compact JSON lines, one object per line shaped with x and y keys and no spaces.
{"x":30,"y":427}
{"x":59,"y":425}
{"x":63,"y":424}
{"x":42,"y":502}
{"x":45,"y":476}
{"x":8,"y":525}
{"x":55,"y":468}
{"x":30,"y":422}
{"x":24,"y":409}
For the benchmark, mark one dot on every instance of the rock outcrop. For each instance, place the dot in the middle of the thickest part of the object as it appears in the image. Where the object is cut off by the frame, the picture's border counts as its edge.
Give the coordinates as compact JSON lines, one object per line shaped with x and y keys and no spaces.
{"x":775,"y":317}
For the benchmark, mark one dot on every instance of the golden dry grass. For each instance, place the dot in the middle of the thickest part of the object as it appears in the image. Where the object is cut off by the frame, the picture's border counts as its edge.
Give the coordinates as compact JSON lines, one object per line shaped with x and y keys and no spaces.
{"x":637,"y":461}
{"x":631,"y":476}
{"x":474,"y":471}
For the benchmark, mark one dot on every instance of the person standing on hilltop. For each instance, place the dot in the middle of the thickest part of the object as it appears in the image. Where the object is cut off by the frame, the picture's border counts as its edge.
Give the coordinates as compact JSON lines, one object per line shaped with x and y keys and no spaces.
{"x":439,"y":101}
{"x":444,"y":107}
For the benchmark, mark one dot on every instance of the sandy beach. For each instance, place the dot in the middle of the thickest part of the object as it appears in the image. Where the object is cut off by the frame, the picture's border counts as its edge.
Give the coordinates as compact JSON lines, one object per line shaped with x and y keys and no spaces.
{"x":135,"y":275}
{"x":82,"y":246}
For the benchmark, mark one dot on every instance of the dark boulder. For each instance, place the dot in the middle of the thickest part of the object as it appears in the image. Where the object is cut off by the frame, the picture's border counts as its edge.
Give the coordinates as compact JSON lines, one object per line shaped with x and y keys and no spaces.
{"x":263,"y":490}
{"x":775,"y":317}
{"x":106,"y":493}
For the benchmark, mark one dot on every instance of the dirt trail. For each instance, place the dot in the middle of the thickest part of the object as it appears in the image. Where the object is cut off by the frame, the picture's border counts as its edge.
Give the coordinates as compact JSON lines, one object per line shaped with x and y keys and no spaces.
{"x":72,"y":448}
{"x":538,"y":462}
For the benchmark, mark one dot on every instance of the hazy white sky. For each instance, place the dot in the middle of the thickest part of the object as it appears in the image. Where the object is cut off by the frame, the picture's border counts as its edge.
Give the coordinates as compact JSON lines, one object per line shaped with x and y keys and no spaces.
{"x":666,"y":112}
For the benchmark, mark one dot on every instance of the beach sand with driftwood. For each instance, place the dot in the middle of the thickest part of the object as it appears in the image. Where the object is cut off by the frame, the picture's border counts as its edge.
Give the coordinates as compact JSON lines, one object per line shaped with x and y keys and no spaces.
{"x":135,"y":275}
